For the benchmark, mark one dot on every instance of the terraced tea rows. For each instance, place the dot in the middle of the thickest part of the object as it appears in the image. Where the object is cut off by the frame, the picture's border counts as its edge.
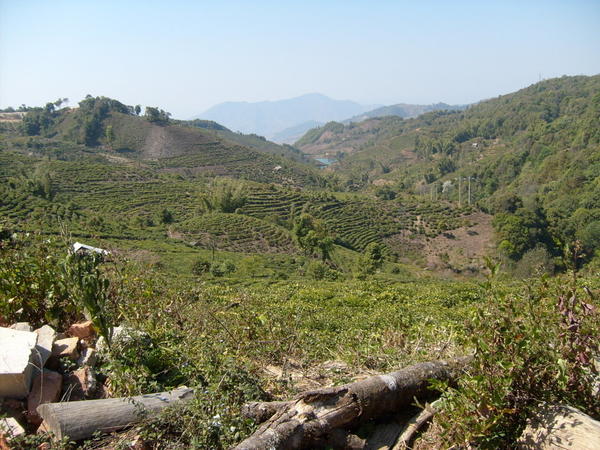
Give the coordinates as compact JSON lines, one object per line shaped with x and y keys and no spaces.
{"x":239,"y":162}
{"x":237,"y":233}
{"x":275,"y":203}
{"x":355,"y":222}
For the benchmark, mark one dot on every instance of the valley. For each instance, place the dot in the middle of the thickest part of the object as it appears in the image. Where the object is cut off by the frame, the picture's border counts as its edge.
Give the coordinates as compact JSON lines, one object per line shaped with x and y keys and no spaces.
{"x":245,"y":269}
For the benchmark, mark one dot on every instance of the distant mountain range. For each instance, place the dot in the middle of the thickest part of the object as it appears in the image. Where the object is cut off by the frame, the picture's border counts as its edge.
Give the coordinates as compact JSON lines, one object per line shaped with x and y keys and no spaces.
{"x":283,"y":120}
{"x":405,"y":111}
{"x":286,"y":121}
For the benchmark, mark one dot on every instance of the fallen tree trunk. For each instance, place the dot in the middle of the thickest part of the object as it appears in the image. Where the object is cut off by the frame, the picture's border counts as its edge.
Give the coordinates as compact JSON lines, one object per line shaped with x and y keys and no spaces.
{"x":79,"y":420}
{"x":307,"y":421}
{"x":261,"y":411}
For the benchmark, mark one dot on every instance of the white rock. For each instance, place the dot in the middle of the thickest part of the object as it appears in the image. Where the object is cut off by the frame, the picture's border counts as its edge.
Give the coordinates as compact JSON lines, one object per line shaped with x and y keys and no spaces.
{"x":121,"y":335}
{"x":16,"y":362}
{"x":46,"y":338}
{"x":11,"y":427}
{"x":21,"y":326}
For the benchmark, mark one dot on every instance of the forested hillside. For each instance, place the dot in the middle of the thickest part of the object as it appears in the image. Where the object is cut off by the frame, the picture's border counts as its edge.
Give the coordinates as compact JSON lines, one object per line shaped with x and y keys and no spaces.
{"x":532,"y":158}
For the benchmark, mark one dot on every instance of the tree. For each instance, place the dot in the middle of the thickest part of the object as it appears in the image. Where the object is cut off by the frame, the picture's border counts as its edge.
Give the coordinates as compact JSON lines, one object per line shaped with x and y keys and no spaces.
{"x":372,"y":258}
{"x":138,"y":110}
{"x":152,"y":114}
{"x":312,"y":236}
{"x":385,"y":193}
{"x":156,"y":115}
{"x":166,"y":216}
{"x":521,"y":231}
{"x":110,"y":135}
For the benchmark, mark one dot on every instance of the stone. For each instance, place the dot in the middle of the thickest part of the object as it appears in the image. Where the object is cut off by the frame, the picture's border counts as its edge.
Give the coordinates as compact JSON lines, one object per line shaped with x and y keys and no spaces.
{"x":88,"y":357}
{"x":80,"y":384}
{"x":46,"y":388}
{"x":559,"y":427}
{"x":10,"y":427}
{"x":43,"y":428}
{"x":16,"y":364}
{"x":21,"y":326}
{"x":82,"y":330}
{"x":122,"y":336}
{"x":45,"y":341}
{"x":139,"y":443}
{"x":66,"y":347}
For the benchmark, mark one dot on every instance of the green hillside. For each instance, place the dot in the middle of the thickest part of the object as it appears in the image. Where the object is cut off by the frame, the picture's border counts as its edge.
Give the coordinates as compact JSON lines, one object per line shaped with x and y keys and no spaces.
{"x":251,"y":276}
{"x":110,"y":129}
{"x":531,"y":157}
{"x":248,"y":140}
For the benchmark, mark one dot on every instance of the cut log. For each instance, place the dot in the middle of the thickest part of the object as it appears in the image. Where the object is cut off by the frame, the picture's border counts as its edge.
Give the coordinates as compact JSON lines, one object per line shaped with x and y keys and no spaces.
{"x":79,"y":420}
{"x":560,"y":426}
{"x":313,"y":415}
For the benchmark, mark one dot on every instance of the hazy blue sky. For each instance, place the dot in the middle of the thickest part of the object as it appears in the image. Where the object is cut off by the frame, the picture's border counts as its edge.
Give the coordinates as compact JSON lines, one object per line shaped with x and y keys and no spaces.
{"x":186,"y":56}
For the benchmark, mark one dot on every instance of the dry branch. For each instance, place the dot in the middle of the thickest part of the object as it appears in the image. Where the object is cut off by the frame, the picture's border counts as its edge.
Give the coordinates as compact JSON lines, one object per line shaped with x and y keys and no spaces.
{"x":415,"y":425}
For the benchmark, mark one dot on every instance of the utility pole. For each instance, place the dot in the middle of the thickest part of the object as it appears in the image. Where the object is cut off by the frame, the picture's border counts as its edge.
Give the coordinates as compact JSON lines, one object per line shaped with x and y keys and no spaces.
{"x":459,"y":197}
{"x":469,"y":190}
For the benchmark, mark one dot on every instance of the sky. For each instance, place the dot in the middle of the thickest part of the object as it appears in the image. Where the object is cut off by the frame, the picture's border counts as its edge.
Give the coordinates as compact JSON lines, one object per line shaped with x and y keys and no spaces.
{"x":185,"y":56}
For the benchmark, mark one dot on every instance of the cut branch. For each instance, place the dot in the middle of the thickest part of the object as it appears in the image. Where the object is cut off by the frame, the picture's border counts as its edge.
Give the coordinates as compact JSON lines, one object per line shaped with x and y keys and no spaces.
{"x":415,"y":425}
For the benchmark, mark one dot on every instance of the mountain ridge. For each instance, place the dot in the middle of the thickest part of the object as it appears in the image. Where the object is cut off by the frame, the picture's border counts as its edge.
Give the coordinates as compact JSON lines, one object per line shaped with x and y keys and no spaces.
{"x":267,"y":118}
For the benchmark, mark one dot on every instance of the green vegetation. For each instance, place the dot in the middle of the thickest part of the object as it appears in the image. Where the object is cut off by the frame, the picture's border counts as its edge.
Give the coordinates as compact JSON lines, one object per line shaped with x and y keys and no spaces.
{"x":205,"y":335}
{"x":313,"y":135}
{"x":532,"y":347}
{"x":156,"y":115}
{"x":538,"y":146}
{"x":232,"y":259}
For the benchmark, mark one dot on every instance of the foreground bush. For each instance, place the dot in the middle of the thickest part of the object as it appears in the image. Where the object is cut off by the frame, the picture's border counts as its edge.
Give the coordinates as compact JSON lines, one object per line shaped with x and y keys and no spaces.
{"x":534,"y":347}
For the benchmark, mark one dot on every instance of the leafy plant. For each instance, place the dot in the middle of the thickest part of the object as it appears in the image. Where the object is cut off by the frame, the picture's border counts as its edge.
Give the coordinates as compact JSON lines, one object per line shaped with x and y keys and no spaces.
{"x":533,"y":347}
{"x":31,"y":287}
{"x":225,"y":195}
{"x":89,"y":288}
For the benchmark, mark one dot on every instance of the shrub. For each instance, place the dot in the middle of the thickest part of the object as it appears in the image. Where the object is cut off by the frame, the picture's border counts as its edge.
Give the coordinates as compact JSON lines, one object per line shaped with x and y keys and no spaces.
{"x":200,"y":267}
{"x":535,"y":262}
{"x":318,"y":270}
{"x":225,"y":268}
{"x":529,"y":348}
{"x":89,"y":288}
{"x":225,"y":195}
{"x":31,"y":282}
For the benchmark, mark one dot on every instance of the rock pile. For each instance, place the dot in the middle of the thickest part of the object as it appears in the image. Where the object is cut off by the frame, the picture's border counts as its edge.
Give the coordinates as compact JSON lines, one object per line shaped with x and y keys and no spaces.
{"x":43,"y":366}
